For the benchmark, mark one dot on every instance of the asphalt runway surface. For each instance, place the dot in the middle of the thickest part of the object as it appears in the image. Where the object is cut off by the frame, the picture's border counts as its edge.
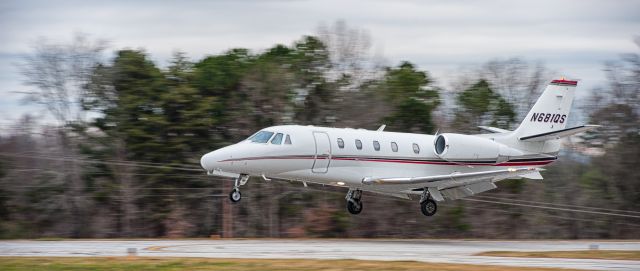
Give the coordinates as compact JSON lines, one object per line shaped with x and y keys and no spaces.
{"x":442,"y":251}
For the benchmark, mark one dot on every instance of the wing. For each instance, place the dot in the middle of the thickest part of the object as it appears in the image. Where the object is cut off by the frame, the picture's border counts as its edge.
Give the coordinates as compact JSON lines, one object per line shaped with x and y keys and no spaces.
{"x":493,"y":175}
{"x":455,"y":185}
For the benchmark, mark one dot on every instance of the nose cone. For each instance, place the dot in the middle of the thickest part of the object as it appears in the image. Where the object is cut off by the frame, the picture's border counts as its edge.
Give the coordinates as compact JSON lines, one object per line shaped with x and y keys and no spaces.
{"x":207,"y":161}
{"x":213,"y":160}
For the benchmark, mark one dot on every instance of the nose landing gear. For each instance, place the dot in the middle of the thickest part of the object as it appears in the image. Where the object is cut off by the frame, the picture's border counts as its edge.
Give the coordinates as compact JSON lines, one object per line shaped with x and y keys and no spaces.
{"x":235,"y":195}
{"x":354,"y":204}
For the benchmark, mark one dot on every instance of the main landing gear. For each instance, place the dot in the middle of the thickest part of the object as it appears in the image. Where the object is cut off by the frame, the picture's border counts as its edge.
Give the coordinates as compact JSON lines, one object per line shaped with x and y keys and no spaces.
{"x":354,"y":204}
{"x":428,"y":206}
{"x":235,"y":194}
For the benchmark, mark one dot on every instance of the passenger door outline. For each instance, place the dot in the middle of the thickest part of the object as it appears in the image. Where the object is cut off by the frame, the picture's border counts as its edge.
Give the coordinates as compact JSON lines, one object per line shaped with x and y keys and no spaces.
{"x":322,"y":158}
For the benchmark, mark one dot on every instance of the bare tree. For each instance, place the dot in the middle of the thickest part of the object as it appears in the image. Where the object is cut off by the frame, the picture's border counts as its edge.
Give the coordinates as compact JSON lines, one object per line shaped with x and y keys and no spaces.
{"x":617,"y":105}
{"x":517,"y":81}
{"x":350,"y":54}
{"x":58,"y":74}
{"x":624,"y":79}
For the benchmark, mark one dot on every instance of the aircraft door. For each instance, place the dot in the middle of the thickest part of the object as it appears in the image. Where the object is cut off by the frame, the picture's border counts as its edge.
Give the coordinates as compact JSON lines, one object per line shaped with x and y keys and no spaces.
{"x":323,"y":153}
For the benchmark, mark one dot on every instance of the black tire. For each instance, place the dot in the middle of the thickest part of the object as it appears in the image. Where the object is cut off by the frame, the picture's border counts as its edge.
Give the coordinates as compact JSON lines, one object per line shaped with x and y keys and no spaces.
{"x":354,"y":206}
{"x":235,"y":195}
{"x":428,"y":207}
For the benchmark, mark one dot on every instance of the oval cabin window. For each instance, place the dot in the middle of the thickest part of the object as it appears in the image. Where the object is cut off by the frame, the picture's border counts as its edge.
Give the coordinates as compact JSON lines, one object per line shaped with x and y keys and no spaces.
{"x":394,"y":147}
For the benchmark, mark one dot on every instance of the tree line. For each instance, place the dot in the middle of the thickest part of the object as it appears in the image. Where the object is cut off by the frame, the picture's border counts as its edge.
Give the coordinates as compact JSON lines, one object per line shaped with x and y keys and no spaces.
{"x":122,"y":159}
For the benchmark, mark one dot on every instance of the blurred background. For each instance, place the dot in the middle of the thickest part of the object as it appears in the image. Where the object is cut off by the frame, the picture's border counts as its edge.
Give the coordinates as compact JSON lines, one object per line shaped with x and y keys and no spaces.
{"x":106,"y":109}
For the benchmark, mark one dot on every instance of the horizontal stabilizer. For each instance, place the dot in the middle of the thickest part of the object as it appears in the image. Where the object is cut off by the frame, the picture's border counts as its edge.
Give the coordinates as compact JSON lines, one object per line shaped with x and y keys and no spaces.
{"x":558,"y":134}
{"x":493,"y":129}
{"x":466,"y":178}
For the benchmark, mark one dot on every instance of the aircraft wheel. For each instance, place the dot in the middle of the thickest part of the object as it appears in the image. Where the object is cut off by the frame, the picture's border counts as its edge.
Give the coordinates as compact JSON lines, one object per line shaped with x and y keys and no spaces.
{"x":428,"y":207}
{"x":354,"y":206}
{"x":235,"y":195}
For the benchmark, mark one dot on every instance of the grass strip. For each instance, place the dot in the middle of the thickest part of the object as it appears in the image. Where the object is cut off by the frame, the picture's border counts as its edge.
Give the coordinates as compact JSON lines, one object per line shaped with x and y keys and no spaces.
{"x":633,"y":255}
{"x":206,"y":264}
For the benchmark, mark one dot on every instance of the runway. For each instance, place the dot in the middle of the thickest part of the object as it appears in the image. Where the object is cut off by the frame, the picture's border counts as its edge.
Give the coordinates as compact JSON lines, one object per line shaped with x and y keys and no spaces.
{"x":442,"y":251}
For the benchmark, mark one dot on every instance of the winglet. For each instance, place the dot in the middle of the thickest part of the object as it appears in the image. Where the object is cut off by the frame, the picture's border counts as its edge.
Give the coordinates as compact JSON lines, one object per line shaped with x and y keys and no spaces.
{"x":381,"y":128}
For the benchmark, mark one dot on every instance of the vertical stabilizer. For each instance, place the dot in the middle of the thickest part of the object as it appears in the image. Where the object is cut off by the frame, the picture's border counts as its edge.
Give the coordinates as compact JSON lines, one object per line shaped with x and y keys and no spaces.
{"x":551,"y":112}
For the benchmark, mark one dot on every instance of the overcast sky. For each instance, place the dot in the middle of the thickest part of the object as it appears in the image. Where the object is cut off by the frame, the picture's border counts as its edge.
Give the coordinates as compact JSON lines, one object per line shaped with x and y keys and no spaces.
{"x":573,"y":38}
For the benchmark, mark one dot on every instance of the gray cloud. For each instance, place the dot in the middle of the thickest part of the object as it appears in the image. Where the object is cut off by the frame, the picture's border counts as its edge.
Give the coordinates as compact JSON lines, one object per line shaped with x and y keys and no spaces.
{"x":573,"y":37}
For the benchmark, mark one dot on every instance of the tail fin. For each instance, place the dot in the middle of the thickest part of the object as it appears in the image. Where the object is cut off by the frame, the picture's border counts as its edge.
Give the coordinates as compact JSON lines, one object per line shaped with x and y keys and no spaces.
{"x":551,"y":112}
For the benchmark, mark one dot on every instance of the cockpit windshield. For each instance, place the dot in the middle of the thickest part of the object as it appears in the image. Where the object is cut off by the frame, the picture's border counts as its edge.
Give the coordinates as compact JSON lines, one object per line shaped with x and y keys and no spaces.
{"x":261,"y":137}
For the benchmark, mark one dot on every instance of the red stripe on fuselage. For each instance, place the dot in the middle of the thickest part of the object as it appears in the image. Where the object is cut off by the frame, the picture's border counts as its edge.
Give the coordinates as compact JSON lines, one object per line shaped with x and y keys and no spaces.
{"x":538,"y":163}
{"x":445,"y":163}
{"x":565,"y":82}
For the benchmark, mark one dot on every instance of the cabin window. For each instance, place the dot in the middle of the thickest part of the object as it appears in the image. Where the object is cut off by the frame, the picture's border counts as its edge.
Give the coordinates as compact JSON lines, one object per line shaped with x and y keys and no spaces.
{"x":358,"y":144}
{"x":376,"y":145}
{"x":277,"y":140}
{"x":394,"y":147}
{"x":340,"y":143}
{"x":287,"y":140}
{"x":261,"y":137}
{"x":416,"y":148}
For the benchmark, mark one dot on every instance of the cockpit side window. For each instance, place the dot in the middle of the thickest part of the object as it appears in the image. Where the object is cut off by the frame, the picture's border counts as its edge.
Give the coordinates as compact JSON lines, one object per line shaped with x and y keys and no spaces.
{"x":261,"y":137}
{"x":287,"y":140}
{"x":277,"y":140}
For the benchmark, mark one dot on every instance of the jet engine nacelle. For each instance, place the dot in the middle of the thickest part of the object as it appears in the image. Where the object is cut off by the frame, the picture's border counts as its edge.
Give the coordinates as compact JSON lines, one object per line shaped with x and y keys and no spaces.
{"x":468,"y":147}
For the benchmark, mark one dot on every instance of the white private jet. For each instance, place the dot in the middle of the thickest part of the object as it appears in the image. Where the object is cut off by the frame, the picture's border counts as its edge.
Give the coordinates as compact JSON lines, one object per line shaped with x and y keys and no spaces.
{"x":429,"y":167}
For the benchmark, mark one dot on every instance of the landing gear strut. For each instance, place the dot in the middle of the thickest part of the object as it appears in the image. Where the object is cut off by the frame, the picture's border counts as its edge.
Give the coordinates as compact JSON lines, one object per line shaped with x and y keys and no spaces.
{"x":235,"y":194}
{"x":354,"y":204}
{"x":428,"y":206}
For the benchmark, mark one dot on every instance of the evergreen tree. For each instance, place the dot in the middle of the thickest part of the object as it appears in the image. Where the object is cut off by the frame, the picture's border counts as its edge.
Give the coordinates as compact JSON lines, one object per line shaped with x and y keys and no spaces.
{"x":413,"y":98}
{"x":480,"y":105}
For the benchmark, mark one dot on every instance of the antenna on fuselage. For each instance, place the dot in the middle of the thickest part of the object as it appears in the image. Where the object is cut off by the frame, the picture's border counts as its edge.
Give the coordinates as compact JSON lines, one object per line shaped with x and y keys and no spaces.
{"x":381,"y":128}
